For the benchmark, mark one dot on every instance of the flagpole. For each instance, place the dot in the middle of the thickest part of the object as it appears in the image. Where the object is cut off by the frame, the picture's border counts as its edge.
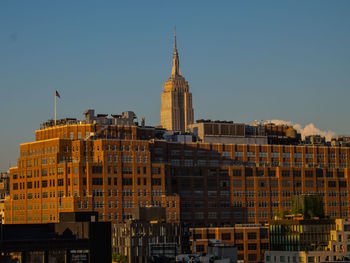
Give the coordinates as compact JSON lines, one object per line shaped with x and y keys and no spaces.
{"x":55,"y":107}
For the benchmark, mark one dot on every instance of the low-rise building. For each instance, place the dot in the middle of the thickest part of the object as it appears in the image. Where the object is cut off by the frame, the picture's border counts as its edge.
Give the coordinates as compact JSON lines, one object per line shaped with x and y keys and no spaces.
{"x":315,"y":140}
{"x":208,"y":131}
{"x":220,"y":253}
{"x":309,"y":241}
{"x":251,"y":240}
{"x":4,"y":192}
{"x":341,"y":141}
{"x":78,"y":237}
{"x":300,"y":234}
{"x":147,"y":234}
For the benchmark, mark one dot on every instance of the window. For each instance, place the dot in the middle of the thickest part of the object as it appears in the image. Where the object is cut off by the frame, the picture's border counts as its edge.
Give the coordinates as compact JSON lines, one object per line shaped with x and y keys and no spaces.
{"x":175,"y":162}
{"x":156,"y":181}
{"x":263,"y":204}
{"x":188,"y":162}
{"x":200,"y":248}
{"x":127,"y":170}
{"x":252,"y":246}
{"x":29,"y":185}
{"x":309,"y":156}
{"x":202,"y":162}
{"x":226,"y":236}
{"x":252,"y":257}
{"x":97,"y":169}
{"x":175,"y":152}
{"x":97,"y":181}
{"x":212,"y":215}
{"x":213,"y":163}
{"x":298,"y":155}
{"x":225,"y":193}
{"x":309,"y":183}
{"x":272,"y":173}
{"x":127,"y":181}
{"x":239,"y":154}
{"x":156,"y":170}
{"x":188,"y":153}
{"x":274,"y":155}
{"x":226,"y":154}
{"x":235,"y":193}
{"x":198,"y":215}
{"x":331,"y":183}
{"x":251,"y":235}
{"x":250,"y":203}
{"x":197,"y":236}
{"x":265,"y":246}
{"x":44,"y":183}
{"x":263,"y":155}
{"x":310,"y":259}
{"x":198,"y":193}
{"x":285,"y":173}
{"x":225,"y":214}
{"x":262,"y":183}
{"x":236,"y":172}
{"x":212,"y":204}
{"x":251,"y":154}
{"x":285,"y":183}
{"x":237,"y":183}
{"x":60,"y":182}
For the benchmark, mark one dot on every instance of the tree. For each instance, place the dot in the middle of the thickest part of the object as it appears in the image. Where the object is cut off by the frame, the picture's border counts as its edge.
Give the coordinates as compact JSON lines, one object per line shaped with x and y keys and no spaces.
{"x":308,"y":206}
{"x":119,"y":258}
{"x":280,"y":214}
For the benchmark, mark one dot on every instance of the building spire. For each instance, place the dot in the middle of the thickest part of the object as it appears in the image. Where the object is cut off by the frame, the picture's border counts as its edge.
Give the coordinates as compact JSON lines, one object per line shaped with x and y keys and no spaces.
{"x":175,"y":71}
{"x":175,"y":39}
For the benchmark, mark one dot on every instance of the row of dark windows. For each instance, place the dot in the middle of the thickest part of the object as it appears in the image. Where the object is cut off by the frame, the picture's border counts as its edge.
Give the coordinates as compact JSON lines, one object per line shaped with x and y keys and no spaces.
{"x":263,"y":234}
{"x":249,"y":172}
{"x":95,"y":181}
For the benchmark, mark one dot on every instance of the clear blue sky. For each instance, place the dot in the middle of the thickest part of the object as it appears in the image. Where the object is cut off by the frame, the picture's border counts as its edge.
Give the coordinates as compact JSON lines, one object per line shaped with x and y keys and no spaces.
{"x":244,"y":60}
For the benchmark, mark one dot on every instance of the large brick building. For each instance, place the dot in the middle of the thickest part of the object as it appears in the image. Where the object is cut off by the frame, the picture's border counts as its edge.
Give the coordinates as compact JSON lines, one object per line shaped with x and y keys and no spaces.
{"x":226,"y":183}
{"x":84,"y":166}
{"x":98,"y":164}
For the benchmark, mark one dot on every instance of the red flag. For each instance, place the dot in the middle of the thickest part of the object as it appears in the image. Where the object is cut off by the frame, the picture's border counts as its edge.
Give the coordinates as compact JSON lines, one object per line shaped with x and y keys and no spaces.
{"x":57,"y":94}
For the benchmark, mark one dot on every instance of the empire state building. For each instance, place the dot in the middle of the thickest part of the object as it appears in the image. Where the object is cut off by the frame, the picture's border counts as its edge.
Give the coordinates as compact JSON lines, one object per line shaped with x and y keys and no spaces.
{"x":176,"y":112}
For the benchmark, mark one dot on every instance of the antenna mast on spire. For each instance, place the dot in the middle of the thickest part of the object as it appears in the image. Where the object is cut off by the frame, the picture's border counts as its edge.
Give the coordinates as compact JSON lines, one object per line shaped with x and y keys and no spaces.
{"x":176,"y":63}
{"x":175,"y":38}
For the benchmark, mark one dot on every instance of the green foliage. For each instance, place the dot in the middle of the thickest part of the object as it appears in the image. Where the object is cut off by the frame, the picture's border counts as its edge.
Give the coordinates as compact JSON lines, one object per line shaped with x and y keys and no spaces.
{"x":308,"y":206}
{"x":280,"y":214}
{"x":297,"y":205}
{"x":118,"y":258}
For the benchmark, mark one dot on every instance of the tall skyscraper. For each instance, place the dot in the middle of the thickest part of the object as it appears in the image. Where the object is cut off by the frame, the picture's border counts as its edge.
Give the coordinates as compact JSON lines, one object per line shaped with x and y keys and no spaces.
{"x":176,"y":112}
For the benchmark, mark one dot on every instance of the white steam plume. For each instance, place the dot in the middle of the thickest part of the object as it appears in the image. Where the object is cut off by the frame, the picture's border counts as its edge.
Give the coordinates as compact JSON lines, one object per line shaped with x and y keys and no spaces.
{"x":307,"y":130}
